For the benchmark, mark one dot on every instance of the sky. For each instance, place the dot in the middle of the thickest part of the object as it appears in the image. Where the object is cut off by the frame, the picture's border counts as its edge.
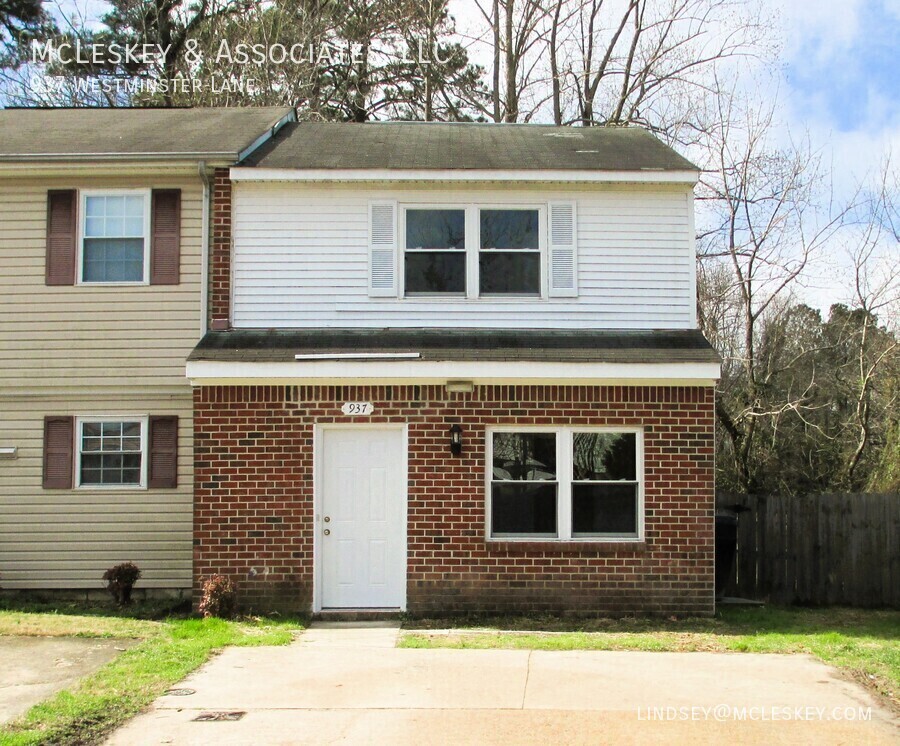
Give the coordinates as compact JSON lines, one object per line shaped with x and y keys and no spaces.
{"x":841,"y":87}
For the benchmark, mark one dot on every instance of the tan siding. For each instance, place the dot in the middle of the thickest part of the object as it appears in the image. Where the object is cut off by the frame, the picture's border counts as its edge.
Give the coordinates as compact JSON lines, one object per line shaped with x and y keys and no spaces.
{"x":78,"y":335}
{"x":67,"y":538}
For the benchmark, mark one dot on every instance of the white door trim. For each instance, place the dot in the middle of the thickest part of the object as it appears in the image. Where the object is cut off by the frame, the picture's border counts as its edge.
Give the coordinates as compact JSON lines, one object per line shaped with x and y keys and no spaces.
{"x":318,"y":498}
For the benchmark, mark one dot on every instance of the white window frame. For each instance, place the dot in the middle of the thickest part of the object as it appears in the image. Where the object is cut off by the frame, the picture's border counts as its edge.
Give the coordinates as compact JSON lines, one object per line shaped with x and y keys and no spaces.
{"x":82,"y":217}
{"x":401,"y":243}
{"x":564,"y":481}
{"x":541,"y":249}
{"x":145,"y":424}
{"x":473,"y":250}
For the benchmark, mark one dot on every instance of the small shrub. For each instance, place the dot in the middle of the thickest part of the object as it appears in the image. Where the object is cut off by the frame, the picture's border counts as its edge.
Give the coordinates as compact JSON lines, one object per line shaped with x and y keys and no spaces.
{"x":219,"y":597}
{"x":120,"y":581}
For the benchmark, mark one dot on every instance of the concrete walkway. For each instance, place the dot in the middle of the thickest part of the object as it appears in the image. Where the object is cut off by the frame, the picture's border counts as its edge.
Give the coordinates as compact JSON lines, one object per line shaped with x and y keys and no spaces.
{"x":349,"y":684}
{"x":33,"y":668}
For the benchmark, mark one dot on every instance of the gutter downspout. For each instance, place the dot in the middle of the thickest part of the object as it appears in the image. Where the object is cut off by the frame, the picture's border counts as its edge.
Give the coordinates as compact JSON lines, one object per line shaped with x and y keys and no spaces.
{"x":204,"y":251}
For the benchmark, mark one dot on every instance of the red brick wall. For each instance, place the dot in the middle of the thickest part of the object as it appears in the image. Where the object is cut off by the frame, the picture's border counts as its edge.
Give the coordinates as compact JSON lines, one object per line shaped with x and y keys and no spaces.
{"x":254,"y":498}
{"x":220,"y":252}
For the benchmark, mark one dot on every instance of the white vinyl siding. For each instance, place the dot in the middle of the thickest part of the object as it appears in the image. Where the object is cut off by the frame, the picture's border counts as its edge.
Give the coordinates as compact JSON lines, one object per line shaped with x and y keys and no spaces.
{"x":301,"y":259}
{"x":67,"y":538}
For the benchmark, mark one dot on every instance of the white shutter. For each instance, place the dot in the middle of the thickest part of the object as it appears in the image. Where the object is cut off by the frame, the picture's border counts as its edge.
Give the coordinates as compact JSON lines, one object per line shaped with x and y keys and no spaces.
{"x":563,"y":250}
{"x":382,"y":249}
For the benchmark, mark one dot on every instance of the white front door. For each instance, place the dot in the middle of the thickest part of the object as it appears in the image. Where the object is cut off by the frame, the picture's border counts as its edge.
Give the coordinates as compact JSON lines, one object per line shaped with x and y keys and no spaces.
{"x":362,"y":526}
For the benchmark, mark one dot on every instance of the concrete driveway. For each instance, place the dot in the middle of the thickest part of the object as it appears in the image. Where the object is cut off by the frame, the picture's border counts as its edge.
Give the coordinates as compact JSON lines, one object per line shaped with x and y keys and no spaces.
{"x":351,"y":685}
{"x":33,"y":668}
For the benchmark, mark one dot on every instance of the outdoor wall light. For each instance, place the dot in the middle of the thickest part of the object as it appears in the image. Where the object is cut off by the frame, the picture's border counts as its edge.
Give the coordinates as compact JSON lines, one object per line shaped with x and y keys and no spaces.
{"x":456,"y":440}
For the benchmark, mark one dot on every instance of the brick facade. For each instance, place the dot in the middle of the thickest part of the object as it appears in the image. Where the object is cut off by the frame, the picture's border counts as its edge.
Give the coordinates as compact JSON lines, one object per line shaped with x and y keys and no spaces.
{"x":253,"y":498}
{"x":220,"y":253}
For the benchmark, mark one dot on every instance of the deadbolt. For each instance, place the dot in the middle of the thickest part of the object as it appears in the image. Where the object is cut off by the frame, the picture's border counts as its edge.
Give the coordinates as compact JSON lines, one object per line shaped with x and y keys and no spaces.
{"x":327,"y":519}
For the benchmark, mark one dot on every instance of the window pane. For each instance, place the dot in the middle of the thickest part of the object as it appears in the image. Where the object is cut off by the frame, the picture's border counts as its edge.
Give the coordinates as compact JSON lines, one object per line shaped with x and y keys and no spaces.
{"x":604,"y":509}
{"x":435,"y":229}
{"x":523,"y":508}
{"x":113,"y":260}
{"x":509,"y":272}
{"x":609,"y":456}
{"x":509,"y":229}
{"x":524,"y":456}
{"x":435,"y":272}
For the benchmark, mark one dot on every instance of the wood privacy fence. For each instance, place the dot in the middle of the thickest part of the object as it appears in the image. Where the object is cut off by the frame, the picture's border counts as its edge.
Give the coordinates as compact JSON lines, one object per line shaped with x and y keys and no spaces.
{"x":818,"y":549}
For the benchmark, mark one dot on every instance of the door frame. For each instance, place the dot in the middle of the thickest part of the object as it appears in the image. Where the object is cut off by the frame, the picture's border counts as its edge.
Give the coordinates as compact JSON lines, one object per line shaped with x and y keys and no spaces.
{"x":319,"y":498}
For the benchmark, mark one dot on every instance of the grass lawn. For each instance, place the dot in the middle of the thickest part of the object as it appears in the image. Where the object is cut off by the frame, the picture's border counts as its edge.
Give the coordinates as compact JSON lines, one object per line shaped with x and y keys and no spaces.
{"x":169,"y":650}
{"x":864,"y":644}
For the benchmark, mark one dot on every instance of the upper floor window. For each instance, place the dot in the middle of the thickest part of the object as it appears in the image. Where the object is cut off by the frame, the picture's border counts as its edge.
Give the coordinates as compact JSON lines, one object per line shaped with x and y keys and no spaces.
{"x":509,"y":258}
{"x":472,"y":252}
{"x":435,"y":256}
{"x":115,"y":237}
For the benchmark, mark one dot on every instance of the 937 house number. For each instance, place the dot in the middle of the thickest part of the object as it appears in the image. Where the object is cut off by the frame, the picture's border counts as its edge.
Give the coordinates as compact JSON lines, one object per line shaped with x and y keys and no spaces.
{"x":358,"y":408}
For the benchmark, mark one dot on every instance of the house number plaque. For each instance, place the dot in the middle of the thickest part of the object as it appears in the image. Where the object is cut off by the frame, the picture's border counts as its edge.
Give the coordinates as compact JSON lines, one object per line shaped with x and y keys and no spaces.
{"x":362,"y":408}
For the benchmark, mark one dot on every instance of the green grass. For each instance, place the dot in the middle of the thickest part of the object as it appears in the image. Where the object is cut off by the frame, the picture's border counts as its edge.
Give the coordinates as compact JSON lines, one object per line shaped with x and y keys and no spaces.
{"x":168,"y":651}
{"x":864,"y":644}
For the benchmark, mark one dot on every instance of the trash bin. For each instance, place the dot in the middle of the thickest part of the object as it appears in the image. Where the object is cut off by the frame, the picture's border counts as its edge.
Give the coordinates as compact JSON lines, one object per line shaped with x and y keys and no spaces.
{"x":726,"y":546}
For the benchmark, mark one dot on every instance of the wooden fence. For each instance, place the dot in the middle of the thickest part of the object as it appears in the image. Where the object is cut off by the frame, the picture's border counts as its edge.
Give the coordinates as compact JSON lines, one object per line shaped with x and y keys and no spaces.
{"x":818,"y":549}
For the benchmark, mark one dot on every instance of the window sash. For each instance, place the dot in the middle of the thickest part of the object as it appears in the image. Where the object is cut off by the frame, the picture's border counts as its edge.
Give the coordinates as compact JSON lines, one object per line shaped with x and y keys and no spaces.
{"x":120,"y":454}
{"x":472,"y":250}
{"x":91,"y":237}
{"x":565,"y":484}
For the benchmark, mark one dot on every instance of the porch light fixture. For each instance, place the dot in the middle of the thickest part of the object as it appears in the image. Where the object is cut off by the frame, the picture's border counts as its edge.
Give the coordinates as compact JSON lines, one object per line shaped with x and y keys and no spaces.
{"x":456,"y":440}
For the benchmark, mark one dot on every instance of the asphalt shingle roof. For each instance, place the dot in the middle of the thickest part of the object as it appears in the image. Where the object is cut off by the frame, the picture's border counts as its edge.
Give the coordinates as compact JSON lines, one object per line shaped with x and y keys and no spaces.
{"x":462,"y":345}
{"x":439,"y":146}
{"x":60,"y":134}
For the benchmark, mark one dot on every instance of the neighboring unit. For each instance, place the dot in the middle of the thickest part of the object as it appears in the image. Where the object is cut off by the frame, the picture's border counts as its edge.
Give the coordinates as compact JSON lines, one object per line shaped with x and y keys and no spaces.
{"x":104,"y":229}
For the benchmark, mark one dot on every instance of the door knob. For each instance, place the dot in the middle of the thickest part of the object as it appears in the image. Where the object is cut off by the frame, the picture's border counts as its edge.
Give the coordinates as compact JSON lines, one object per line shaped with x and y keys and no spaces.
{"x":327,"y":532}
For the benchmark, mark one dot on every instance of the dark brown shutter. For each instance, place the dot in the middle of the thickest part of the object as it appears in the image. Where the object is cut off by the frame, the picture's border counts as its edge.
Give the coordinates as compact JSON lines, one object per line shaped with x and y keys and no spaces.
{"x":59,"y":444}
{"x":165,"y":241}
{"x":163,"y":467}
{"x":62,"y":233}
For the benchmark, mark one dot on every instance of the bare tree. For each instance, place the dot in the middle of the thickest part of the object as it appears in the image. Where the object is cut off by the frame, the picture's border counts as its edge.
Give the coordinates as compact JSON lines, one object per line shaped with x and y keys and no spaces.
{"x":762,"y":204}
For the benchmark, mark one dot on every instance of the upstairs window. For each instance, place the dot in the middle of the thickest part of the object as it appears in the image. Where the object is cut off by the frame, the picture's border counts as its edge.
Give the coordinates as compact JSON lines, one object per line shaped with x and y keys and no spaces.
{"x":115,"y":238}
{"x":509,"y":257}
{"x":435,"y":252}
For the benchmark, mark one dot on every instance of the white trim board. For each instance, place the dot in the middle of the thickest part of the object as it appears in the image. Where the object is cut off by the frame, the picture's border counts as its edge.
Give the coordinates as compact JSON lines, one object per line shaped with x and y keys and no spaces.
{"x":243,"y":173}
{"x":208,"y":372}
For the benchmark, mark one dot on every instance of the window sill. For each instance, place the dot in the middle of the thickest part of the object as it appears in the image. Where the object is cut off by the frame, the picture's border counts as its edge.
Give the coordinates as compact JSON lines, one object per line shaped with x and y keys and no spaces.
{"x":565,"y":547}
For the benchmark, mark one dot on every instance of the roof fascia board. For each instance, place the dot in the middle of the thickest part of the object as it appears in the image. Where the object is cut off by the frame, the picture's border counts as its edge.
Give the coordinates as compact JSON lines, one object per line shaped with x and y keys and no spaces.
{"x":103,"y":168}
{"x":291,"y":116}
{"x":249,"y":173}
{"x":209,"y":372}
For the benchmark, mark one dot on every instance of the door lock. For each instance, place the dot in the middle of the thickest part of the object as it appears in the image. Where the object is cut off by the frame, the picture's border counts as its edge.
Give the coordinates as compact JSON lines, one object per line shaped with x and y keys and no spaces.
{"x":327,"y":519}
{"x":327,"y":532}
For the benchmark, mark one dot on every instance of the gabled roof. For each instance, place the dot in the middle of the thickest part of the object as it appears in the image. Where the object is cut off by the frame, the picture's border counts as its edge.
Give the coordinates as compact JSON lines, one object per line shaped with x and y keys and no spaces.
{"x":658,"y":346}
{"x":110,"y":133}
{"x":465,"y":146}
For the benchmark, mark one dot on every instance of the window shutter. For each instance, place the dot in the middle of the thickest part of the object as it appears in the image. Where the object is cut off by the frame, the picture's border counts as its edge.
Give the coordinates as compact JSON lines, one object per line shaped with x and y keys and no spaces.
{"x":165,"y":240}
{"x":59,"y":444}
{"x":162,"y":469}
{"x":62,"y":234}
{"x":563,"y":250}
{"x":382,"y":249}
